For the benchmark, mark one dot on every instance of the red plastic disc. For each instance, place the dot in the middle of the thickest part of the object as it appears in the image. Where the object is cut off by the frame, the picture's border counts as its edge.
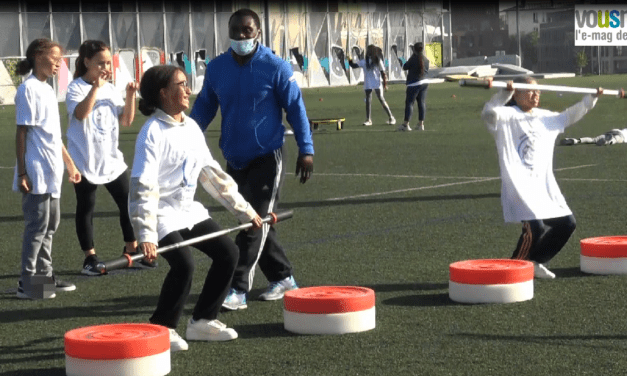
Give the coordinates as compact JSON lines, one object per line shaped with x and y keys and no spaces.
{"x":605,"y":246}
{"x":491,"y":271}
{"x":329,"y":299}
{"x":117,"y":341}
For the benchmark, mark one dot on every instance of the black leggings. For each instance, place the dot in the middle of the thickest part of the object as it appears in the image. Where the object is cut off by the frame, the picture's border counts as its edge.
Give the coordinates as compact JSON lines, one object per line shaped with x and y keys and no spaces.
{"x":86,"y":202}
{"x":542,"y":239}
{"x":178,"y":282}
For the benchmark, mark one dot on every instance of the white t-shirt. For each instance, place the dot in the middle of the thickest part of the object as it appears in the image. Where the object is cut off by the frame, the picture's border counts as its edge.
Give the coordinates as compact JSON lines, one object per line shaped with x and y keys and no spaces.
{"x":372,"y":76}
{"x":525,"y":143}
{"x":93,"y":141}
{"x":36,"y":107}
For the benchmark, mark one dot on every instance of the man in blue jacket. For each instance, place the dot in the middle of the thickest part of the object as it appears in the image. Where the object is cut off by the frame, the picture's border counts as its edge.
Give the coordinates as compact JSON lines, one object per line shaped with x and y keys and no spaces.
{"x":252,"y":87}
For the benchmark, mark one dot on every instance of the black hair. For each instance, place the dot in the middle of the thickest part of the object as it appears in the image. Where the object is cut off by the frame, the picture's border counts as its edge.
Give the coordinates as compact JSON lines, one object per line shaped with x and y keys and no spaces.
{"x":87,"y":50}
{"x":418,"y":50}
{"x":246,"y":12}
{"x":519,"y":80}
{"x":375,"y":54}
{"x":35,"y":48}
{"x":155,"y":79}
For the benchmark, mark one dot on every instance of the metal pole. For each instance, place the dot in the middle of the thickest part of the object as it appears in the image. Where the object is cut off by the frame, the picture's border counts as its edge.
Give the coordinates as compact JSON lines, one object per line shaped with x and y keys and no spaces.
{"x":139,"y":65}
{"x":450,"y":29}
{"x":165,"y":31}
{"x":518,"y":33}
{"x":599,"y":58}
{"x":20,"y":24}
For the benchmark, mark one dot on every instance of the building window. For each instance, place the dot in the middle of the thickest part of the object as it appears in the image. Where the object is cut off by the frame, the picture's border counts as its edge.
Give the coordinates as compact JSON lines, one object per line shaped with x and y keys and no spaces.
{"x":535,"y":17}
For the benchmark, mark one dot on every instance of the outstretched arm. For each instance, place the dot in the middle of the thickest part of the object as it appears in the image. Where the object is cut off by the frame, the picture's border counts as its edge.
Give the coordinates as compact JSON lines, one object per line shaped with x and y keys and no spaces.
{"x":223,"y":188}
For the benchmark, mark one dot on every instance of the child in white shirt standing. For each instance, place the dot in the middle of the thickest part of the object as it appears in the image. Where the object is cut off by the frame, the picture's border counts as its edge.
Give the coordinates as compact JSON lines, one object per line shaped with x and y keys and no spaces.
{"x":374,"y":72}
{"x":40,"y":157}
{"x":95,"y":111}
{"x":525,"y":140}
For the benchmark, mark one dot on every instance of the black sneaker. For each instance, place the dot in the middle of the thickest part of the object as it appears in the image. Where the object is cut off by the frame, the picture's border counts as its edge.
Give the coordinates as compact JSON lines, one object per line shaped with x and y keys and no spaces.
{"x":62,"y":285}
{"x":143,"y":262}
{"x":90,"y":266}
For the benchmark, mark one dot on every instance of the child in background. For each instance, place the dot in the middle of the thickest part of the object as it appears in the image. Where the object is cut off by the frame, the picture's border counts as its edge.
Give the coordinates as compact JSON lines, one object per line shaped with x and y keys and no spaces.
{"x":417,"y":67}
{"x":95,"y":112}
{"x":374,"y":72}
{"x":40,"y":156}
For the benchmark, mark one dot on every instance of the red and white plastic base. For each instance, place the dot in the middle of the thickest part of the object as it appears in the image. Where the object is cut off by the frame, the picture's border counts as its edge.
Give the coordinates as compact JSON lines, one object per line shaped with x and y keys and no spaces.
{"x":604,"y":255}
{"x":118,"y":349}
{"x":491,"y":281}
{"x":329,"y":310}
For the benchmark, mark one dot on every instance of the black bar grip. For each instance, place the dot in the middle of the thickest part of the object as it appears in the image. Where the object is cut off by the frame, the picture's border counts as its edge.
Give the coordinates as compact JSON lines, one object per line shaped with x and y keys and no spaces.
{"x":118,"y":263}
{"x":284,"y":215}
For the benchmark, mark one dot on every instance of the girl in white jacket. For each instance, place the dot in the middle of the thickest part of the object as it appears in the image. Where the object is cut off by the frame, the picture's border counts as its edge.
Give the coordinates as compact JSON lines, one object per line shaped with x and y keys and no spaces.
{"x":171,"y":156}
{"x":525,"y":140}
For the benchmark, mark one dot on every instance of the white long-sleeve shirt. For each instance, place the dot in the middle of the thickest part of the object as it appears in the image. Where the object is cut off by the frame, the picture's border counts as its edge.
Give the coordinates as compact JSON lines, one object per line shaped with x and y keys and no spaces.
{"x":170,"y":158}
{"x":525,"y":142}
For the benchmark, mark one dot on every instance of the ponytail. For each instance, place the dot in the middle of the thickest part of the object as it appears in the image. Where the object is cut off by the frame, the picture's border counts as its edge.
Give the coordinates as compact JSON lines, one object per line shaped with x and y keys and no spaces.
{"x":35,"y":48}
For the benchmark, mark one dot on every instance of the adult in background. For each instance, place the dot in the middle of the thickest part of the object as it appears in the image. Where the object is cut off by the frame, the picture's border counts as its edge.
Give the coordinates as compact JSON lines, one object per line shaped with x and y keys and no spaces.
{"x":252,"y":87}
{"x":525,"y":140}
{"x":95,"y":111}
{"x":614,"y":136}
{"x":374,"y":73}
{"x":40,"y":157}
{"x":171,"y":156}
{"x":417,"y":67}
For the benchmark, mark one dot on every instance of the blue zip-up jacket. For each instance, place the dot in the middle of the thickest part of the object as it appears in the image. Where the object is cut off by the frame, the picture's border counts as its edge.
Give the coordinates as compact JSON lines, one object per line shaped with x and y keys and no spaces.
{"x":251,"y":98}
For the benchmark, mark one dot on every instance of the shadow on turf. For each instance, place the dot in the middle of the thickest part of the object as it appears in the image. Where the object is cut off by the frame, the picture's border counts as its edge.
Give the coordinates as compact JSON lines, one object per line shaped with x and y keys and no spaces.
{"x":31,"y":353}
{"x":391,"y":287}
{"x":252,"y":331}
{"x":357,"y":201}
{"x":141,"y":306}
{"x":36,"y":372}
{"x":20,"y":218}
{"x":433,"y":300}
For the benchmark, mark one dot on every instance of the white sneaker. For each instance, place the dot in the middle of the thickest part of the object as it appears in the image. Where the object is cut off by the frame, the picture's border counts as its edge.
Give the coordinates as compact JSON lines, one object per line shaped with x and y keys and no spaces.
{"x":276,"y":290}
{"x":540,"y":271}
{"x":289,"y":132}
{"x":392,"y":121}
{"x":368,"y":123}
{"x":420,"y":127}
{"x":176,"y":342}
{"x":403,"y":128}
{"x":205,"y":330}
{"x":235,"y":300}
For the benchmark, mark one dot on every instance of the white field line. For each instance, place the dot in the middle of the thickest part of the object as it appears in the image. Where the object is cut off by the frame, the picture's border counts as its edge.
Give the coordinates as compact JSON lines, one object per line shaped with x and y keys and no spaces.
{"x":476,"y":180}
{"x":410,"y":189}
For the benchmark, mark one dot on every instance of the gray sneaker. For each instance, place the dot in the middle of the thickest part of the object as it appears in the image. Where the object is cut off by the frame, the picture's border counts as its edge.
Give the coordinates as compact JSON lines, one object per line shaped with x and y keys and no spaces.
{"x":276,"y":290}
{"x":62,"y":285}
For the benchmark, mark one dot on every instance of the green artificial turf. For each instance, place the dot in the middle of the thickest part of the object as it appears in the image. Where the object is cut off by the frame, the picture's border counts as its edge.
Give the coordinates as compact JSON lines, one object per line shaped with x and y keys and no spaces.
{"x":386,"y":210}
